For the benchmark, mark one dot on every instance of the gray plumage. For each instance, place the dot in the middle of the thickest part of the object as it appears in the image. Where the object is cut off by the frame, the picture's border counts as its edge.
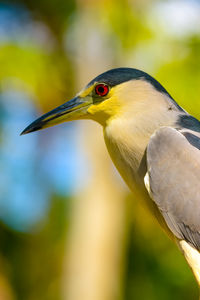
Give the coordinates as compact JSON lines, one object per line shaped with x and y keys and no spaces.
{"x":173,"y":164}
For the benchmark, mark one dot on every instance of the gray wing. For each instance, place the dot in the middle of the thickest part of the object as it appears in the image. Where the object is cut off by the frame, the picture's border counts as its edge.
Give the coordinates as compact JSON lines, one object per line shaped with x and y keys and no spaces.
{"x":173,"y":168}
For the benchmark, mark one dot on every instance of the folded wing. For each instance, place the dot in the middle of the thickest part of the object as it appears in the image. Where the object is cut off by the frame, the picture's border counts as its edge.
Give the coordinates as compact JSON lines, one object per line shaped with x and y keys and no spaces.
{"x":173,"y":168}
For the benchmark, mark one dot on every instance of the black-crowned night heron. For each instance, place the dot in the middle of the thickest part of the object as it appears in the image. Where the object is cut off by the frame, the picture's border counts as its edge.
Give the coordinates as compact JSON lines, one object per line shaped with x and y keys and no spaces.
{"x":154,"y":144}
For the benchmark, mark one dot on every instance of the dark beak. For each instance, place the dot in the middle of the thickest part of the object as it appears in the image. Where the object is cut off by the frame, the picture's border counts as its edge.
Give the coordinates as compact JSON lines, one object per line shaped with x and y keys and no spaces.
{"x":74,"y":109}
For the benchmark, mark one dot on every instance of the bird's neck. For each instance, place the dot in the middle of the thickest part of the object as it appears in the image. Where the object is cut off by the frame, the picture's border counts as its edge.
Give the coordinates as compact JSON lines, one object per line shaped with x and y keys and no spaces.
{"x":127,"y":138}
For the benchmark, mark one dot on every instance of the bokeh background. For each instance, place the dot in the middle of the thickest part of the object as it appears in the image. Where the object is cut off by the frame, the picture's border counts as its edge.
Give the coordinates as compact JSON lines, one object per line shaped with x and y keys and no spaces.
{"x":69,"y":227}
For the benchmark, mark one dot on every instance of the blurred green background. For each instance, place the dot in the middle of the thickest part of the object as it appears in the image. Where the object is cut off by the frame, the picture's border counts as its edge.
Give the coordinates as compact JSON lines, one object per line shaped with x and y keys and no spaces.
{"x":69,"y":228}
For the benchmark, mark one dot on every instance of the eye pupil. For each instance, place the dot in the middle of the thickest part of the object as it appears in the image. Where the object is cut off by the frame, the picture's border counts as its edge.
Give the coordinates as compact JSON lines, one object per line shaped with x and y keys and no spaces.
{"x":102,"y":89}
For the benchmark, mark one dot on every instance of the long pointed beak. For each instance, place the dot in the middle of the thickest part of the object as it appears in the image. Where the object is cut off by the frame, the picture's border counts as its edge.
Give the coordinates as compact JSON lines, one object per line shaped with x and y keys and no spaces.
{"x":74,"y":109}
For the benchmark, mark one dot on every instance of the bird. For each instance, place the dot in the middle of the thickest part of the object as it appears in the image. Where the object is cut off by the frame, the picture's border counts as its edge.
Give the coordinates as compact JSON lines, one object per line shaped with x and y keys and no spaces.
{"x":154,"y":144}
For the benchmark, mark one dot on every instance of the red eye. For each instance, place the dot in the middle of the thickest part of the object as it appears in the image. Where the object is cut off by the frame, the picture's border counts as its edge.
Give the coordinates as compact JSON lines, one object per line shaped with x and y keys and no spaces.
{"x":101,"y":89}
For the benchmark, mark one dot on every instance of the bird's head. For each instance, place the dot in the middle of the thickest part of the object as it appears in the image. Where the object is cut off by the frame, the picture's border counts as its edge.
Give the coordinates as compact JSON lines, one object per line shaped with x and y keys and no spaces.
{"x":106,"y":97}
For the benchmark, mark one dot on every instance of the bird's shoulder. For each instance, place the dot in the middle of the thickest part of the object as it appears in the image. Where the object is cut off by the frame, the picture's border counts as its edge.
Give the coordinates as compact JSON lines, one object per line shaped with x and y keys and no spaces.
{"x":190,"y":128}
{"x":188,"y":122}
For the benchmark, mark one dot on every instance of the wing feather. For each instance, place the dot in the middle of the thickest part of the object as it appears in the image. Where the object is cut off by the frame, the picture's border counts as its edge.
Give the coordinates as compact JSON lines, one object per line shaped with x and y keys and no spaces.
{"x":173,"y":166}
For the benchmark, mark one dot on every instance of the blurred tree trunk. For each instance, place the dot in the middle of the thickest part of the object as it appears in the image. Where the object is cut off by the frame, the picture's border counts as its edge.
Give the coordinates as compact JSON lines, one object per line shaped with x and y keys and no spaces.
{"x":6,"y":291}
{"x":97,"y":237}
{"x":94,"y":261}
